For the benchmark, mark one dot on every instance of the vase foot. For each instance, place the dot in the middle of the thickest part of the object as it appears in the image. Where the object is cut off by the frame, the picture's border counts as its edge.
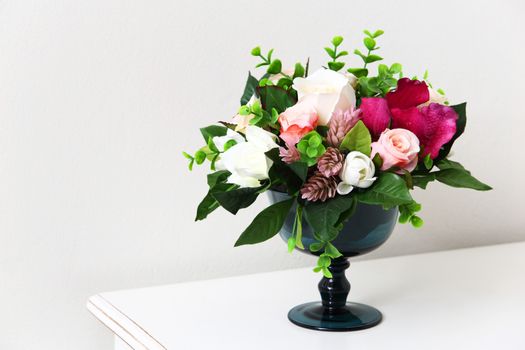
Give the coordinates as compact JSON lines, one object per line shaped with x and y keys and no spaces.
{"x":352,"y":317}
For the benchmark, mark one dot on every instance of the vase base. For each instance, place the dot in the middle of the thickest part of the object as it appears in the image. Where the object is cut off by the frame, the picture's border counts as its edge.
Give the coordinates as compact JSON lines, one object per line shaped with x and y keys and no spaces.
{"x":352,"y":317}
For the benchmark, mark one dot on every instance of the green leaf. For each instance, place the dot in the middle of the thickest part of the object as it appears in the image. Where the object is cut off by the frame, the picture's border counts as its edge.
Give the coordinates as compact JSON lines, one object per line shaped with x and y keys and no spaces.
{"x":249,"y":89}
{"x":341,"y":54}
{"x":416,"y":221}
{"x":422,"y":180}
{"x":217,"y":177}
{"x":336,"y":66}
{"x":275,"y":97}
{"x":373,"y":58}
{"x":266,"y":224}
{"x":212,"y":131}
{"x":461,"y":122}
{"x":378,"y":33}
{"x":283,"y":172}
{"x":367,"y":33}
{"x":460,"y":178}
{"x":209,"y":203}
{"x":389,"y":190}
{"x":332,"y":251}
{"x":274,"y":67}
{"x":369,"y":43}
{"x":358,"y":72}
{"x":237,"y":199}
{"x":300,"y":169}
{"x":347,"y":214}
{"x":291,"y":244}
{"x":323,"y":216}
{"x":256,"y":51}
{"x":330,"y":52}
{"x":337,"y":40}
{"x":427,"y":161}
{"x":378,"y":162}
{"x":449,"y":164}
{"x":316,"y":246}
{"x":396,"y":68}
{"x":298,"y":70}
{"x":360,"y":54}
{"x":326,"y":272}
{"x":358,"y":139}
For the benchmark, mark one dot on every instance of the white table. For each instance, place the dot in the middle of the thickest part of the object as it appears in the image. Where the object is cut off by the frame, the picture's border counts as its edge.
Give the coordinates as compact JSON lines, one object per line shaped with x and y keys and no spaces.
{"x":460,"y":299}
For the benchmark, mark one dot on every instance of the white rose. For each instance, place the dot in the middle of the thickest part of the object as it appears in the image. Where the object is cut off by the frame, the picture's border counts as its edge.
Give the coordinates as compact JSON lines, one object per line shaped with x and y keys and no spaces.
{"x":328,"y":89}
{"x":246,"y":161}
{"x":357,"y":171}
{"x":220,"y":141}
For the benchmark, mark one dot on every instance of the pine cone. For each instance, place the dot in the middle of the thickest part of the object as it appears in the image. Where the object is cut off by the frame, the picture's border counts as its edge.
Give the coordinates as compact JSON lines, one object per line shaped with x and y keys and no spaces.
{"x":340,"y":124}
{"x":331,"y":162}
{"x":319,"y":188}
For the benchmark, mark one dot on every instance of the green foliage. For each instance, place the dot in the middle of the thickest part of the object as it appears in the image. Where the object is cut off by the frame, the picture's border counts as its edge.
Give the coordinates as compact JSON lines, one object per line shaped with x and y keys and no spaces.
{"x":380,"y":85}
{"x":249,"y":89}
{"x":299,"y":70}
{"x":238,"y":198}
{"x":290,"y":175}
{"x":428,"y":162}
{"x":334,"y":64}
{"x":358,"y":139}
{"x":422,"y":180}
{"x":389,"y":190}
{"x":461,"y":122}
{"x":316,"y":246}
{"x":324,"y":216}
{"x":190,"y":158}
{"x":274,"y":66}
{"x":311,"y":147}
{"x":266,"y":224}
{"x":274,"y":97}
{"x":454,"y":174}
{"x":217,"y":183}
{"x":358,"y":72}
{"x":212,"y":131}
{"x":408,"y":214}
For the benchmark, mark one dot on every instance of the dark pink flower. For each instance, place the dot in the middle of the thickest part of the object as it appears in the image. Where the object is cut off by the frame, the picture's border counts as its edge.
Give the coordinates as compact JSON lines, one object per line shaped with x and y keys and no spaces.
{"x":434,"y":125}
{"x":409,"y":93}
{"x":375,"y":115}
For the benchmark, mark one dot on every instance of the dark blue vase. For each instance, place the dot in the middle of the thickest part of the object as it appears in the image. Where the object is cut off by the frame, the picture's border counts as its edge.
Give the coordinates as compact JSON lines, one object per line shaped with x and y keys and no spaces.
{"x":366,"y":230}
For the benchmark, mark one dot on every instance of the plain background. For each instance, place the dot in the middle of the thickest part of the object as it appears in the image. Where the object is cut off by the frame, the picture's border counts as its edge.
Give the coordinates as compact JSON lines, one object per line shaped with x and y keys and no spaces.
{"x":98,"y":99}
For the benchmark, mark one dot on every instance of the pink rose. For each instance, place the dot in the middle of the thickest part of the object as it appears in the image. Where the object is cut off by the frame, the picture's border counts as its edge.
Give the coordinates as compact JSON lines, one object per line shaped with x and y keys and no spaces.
{"x":397,"y":148}
{"x":297,"y":121}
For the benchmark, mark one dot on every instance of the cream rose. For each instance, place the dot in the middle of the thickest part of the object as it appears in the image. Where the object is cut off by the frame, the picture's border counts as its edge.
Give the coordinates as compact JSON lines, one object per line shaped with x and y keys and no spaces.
{"x":358,"y":171}
{"x":328,"y":91}
{"x":246,"y":161}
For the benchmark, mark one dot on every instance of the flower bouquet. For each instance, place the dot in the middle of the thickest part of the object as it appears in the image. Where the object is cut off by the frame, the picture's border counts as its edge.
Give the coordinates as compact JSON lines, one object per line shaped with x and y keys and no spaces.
{"x":338,"y":150}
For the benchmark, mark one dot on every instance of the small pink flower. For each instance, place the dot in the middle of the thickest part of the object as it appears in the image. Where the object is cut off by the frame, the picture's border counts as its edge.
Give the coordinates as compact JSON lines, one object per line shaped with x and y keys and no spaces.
{"x":289,"y":154}
{"x":397,"y":148}
{"x":297,"y":121}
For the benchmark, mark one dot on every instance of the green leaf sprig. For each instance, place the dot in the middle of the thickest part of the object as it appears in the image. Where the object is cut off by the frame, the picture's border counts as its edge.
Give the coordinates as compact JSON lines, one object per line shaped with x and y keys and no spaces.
{"x":334,"y":64}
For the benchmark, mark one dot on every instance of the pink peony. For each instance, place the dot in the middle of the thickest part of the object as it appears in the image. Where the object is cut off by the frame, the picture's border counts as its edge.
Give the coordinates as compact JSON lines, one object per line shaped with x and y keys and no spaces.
{"x":397,"y":148}
{"x":297,"y":121}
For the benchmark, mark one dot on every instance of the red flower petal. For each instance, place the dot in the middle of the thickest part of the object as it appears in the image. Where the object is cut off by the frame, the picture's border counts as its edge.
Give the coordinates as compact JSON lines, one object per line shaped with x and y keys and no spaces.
{"x":375,"y":115}
{"x":409,"y":93}
{"x":434,"y":125}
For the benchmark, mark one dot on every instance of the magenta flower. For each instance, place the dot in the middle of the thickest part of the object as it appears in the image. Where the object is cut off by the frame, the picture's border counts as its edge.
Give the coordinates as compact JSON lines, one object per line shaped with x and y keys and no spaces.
{"x":409,"y":93}
{"x":434,"y":125}
{"x":375,"y":115}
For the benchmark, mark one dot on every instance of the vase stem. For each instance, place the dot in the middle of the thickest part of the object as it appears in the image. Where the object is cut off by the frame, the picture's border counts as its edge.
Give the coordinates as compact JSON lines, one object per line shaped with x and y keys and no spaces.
{"x":334,"y":291}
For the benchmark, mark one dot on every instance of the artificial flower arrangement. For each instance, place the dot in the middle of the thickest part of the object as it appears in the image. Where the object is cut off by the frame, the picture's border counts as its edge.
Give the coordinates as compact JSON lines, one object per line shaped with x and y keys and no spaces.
{"x":331,"y":139}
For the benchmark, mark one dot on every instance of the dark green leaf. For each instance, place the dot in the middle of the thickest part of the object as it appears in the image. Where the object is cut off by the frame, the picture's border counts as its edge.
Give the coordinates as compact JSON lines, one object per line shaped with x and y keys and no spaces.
{"x":323,"y":216}
{"x":422,"y":180}
{"x":249,"y":89}
{"x":300,"y":169}
{"x":209,"y":204}
{"x":449,"y":164}
{"x":358,"y":139}
{"x":389,"y":190}
{"x":217,"y":177}
{"x":212,"y":131}
{"x":237,"y":199}
{"x":460,"y":178}
{"x":266,"y":224}
{"x":283,"y":172}
{"x":316,"y":246}
{"x":461,"y":122}
{"x":275,"y":97}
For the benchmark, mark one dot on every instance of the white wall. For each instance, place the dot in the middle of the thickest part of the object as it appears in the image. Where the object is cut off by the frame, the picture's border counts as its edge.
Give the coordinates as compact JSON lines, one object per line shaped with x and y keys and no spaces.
{"x":98,"y":99}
